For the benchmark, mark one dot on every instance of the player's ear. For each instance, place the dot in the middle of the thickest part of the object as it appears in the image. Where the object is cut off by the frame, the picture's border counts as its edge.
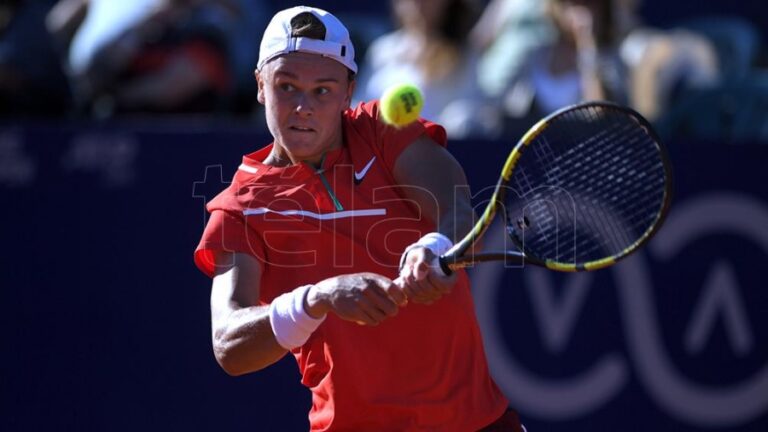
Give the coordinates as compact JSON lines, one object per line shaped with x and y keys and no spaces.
{"x":260,"y":82}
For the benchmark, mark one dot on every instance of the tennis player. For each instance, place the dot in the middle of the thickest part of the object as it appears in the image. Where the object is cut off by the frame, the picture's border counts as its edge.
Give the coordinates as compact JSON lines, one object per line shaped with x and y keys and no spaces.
{"x":304,"y":244}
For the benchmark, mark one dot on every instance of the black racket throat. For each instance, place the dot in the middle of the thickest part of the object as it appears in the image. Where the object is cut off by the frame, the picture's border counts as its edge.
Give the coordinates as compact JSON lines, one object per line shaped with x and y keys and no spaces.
{"x":511,"y":258}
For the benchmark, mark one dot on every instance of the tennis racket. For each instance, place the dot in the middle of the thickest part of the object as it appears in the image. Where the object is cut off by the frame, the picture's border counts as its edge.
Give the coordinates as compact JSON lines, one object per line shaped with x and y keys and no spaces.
{"x":585,"y":187}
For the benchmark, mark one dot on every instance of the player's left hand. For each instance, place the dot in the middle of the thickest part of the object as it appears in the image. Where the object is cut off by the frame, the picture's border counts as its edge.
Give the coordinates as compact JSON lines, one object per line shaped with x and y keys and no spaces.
{"x":421,"y":282}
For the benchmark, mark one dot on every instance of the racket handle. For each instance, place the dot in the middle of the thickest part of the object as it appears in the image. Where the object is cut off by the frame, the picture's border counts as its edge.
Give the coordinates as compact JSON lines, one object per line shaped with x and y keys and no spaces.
{"x":440,"y":266}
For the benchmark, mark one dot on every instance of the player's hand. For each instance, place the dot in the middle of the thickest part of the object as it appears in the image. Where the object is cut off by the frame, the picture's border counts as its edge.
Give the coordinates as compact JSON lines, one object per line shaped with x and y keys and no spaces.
{"x":420,"y":281}
{"x":365,"y":298}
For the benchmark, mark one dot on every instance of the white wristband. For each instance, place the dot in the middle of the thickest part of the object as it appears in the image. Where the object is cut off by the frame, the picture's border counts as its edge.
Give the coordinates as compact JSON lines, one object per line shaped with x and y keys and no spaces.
{"x":291,"y":324}
{"x":434,"y":241}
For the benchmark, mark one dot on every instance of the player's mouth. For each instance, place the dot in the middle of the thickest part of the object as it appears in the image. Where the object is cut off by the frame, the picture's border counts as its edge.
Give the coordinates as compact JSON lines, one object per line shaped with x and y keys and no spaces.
{"x":301,"y":129}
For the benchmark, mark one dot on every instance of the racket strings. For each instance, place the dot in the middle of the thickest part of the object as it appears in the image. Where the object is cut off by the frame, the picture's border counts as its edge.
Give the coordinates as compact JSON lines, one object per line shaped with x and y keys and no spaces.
{"x":618,"y":229}
{"x":601,"y":136}
{"x":545,"y":217}
{"x":555,"y":173}
{"x":613,"y":181}
{"x":601,"y":193}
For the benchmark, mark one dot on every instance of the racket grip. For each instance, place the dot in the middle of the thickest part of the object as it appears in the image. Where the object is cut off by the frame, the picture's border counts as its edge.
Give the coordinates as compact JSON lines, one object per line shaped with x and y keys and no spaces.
{"x":440,"y":267}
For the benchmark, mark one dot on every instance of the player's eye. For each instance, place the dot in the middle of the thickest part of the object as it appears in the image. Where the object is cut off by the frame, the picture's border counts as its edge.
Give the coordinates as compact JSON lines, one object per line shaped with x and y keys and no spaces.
{"x":322,"y":91}
{"x":287,"y":87}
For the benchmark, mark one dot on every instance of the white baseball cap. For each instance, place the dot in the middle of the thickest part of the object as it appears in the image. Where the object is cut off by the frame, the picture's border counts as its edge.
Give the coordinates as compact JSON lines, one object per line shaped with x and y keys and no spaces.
{"x":278,"y":38}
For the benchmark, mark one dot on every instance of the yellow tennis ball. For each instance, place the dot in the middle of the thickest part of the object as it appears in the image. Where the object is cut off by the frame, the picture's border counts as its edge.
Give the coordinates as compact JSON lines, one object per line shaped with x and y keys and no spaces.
{"x":401,"y":105}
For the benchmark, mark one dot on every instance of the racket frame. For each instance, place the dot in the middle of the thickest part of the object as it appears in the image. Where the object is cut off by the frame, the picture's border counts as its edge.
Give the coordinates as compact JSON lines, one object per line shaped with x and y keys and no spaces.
{"x":456,"y":258}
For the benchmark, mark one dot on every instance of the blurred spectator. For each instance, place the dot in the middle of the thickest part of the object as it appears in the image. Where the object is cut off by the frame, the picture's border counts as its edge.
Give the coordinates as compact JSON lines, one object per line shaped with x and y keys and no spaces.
{"x":538,"y":56}
{"x":505,"y":35}
{"x":733,"y":112}
{"x":244,"y":50}
{"x":148,"y":55}
{"x":719,"y":96}
{"x":31,"y":80}
{"x":570,"y":55}
{"x":429,"y":49}
{"x":663,"y":62}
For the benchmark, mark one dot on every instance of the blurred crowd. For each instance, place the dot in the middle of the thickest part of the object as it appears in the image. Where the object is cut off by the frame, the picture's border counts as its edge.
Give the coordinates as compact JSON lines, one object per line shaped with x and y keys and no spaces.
{"x":488,"y":69}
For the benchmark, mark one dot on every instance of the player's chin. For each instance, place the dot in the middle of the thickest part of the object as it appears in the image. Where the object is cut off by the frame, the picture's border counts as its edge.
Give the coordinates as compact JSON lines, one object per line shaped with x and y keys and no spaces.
{"x":301,"y":143}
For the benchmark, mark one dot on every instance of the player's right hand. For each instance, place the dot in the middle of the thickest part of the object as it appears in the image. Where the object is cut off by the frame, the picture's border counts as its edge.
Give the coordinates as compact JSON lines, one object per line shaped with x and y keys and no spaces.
{"x":419,"y":281}
{"x":365,"y":298}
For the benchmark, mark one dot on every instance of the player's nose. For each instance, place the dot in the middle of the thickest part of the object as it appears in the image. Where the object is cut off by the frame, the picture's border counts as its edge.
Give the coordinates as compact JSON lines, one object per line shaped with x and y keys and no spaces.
{"x":304,"y":106}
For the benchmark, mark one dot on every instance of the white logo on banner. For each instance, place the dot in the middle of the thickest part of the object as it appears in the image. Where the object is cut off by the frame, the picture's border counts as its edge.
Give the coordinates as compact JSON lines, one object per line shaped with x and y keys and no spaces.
{"x":720,"y":301}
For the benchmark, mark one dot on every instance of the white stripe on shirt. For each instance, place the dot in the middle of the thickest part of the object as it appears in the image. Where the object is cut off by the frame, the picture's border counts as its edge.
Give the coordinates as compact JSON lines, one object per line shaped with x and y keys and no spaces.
{"x":248,"y":168}
{"x":320,"y":216}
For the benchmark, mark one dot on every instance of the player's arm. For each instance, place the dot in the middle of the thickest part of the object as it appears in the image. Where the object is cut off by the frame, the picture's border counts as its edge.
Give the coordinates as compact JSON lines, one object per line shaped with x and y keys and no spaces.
{"x":244,"y":334}
{"x":433,"y":179}
{"x":243,"y":340}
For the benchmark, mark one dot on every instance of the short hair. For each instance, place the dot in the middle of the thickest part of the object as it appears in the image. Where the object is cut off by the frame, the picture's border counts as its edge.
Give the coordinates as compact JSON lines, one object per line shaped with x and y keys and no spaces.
{"x":307,"y":25}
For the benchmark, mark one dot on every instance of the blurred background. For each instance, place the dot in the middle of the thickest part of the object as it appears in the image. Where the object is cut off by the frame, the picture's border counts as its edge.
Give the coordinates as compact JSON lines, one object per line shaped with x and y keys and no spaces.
{"x":119,"y":120}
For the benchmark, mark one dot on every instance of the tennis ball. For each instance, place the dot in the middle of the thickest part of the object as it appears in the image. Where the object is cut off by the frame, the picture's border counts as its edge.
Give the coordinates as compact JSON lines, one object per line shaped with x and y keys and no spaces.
{"x":401,"y":105}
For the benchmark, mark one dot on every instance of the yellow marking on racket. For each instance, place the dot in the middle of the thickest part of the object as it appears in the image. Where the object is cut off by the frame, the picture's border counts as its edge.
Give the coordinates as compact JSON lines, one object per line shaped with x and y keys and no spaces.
{"x":460,"y":265}
{"x":553,"y":265}
{"x":605,"y":262}
{"x":488,"y":215}
{"x":528,"y":138}
{"x":534,"y":132}
{"x":506,"y":172}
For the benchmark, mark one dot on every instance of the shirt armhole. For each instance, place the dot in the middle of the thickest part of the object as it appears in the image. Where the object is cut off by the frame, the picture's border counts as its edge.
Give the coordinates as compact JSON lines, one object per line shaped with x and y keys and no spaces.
{"x":226,"y":231}
{"x":391,"y":141}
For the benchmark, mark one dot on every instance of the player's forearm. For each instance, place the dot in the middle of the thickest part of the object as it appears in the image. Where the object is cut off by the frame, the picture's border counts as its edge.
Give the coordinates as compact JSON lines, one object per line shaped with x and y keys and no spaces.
{"x":245,"y":342}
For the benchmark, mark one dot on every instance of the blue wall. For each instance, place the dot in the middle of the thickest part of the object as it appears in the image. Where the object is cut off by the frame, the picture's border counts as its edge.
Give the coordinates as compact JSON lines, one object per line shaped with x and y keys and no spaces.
{"x":105,"y":321}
